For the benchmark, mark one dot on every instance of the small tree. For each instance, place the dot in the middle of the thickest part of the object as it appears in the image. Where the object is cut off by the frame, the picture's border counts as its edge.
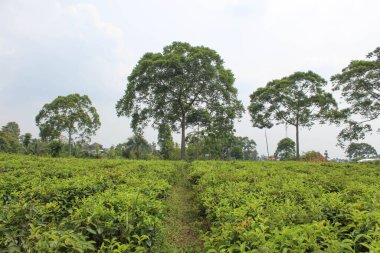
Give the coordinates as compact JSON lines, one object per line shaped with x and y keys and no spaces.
{"x":326,"y":154}
{"x":313,"y":156}
{"x":26,"y":140}
{"x":55,"y":148}
{"x":72,"y":114}
{"x":359,"y":84}
{"x":286,"y":149}
{"x":10,"y":138}
{"x":360,"y":150}
{"x":137,"y":144}
{"x":298,"y":100}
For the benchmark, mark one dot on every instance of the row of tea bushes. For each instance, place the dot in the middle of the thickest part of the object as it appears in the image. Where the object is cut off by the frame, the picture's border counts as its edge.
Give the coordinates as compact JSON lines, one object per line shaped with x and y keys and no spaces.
{"x":78,"y":205}
{"x":288,"y":206}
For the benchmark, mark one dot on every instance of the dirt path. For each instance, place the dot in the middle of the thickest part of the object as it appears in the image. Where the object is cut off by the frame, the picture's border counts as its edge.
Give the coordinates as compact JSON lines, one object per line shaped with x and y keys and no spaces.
{"x":181,"y":228}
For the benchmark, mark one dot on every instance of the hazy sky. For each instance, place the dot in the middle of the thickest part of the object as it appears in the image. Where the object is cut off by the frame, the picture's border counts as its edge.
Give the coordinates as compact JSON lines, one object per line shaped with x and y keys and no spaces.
{"x":51,"y":47}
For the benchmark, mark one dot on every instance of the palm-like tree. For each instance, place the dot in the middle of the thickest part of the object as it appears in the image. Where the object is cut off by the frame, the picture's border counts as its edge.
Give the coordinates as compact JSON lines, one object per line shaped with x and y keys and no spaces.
{"x":137,"y":144}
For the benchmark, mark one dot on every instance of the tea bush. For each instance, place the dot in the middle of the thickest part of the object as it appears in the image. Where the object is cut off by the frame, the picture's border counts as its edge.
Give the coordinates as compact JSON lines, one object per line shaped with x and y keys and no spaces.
{"x":289,"y":206}
{"x":78,"y":205}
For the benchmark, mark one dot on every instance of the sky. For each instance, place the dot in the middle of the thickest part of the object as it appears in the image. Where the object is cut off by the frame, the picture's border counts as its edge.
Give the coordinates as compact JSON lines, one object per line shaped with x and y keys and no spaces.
{"x":51,"y":48}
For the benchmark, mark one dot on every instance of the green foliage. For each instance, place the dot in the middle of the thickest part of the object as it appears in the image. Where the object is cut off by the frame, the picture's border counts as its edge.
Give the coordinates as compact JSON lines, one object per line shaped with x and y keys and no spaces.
{"x":55,"y":148}
{"x":81,"y":205}
{"x":136,"y":146}
{"x":288,"y":207}
{"x":298,"y":100}
{"x":360,"y":150}
{"x":313,"y":156}
{"x":26,"y":140}
{"x":173,"y":86}
{"x":72,"y":114}
{"x":247,"y":147}
{"x":165,"y":141}
{"x":360,"y":87}
{"x":286,"y":149}
{"x":10,"y":138}
{"x":12,"y":128}
{"x":205,"y":147}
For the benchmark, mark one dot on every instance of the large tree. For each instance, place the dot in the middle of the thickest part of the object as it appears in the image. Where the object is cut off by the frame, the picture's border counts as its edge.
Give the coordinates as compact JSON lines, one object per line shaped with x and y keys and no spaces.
{"x":167,"y":87}
{"x":360,"y":150}
{"x":298,"y":100}
{"x":72,"y":114}
{"x":359,"y":84}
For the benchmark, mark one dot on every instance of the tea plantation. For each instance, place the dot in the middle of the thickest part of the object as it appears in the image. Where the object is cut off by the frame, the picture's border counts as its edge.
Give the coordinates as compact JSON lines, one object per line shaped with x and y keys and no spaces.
{"x":85,"y":205}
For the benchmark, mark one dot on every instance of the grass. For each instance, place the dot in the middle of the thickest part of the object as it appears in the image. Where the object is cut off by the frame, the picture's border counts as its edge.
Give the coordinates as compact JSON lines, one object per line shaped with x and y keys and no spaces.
{"x":182,"y":226}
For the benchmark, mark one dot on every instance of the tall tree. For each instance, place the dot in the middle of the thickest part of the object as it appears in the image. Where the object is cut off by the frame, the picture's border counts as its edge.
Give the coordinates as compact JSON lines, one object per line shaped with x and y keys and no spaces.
{"x":286,"y":149}
{"x":360,"y":150}
{"x":298,"y":100}
{"x":72,"y":114}
{"x":166,"y":87}
{"x":359,"y":84}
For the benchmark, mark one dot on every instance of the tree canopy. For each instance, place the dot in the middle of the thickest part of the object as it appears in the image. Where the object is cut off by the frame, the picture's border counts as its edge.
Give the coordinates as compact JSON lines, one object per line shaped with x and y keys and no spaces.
{"x":359,"y":84}
{"x":72,"y":114}
{"x":137,"y":145}
{"x":10,"y":138}
{"x":360,"y":150}
{"x":298,"y":100}
{"x":169,"y":87}
{"x":286,"y":149}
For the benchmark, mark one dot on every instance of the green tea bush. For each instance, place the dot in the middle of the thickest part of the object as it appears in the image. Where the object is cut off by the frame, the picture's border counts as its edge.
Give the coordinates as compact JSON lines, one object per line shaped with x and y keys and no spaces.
{"x":78,"y":205}
{"x":288,"y":207}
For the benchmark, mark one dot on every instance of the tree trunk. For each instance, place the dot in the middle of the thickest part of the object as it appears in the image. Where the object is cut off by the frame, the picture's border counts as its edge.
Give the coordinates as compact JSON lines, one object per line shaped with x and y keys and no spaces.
{"x":183,"y":138}
{"x":138,"y":152}
{"x":297,"y":143}
{"x":69,"y":142}
{"x":266,"y":140}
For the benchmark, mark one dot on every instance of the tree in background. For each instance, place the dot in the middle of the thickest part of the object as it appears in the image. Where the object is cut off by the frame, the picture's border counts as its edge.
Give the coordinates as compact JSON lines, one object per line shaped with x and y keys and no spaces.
{"x":360,"y":150}
{"x":247,"y":147}
{"x":166,"y":87}
{"x":326,"y":154}
{"x":359,"y":84}
{"x":55,"y":148}
{"x":10,"y":138}
{"x":26,"y":140}
{"x":12,"y":128}
{"x":286,"y":149}
{"x":298,"y":100}
{"x":72,"y":114}
{"x":219,"y":134}
{"x":203,"y":146}
{"x":165,"y":141}
{"x":313,"y":156}
{"x":136,"y":145}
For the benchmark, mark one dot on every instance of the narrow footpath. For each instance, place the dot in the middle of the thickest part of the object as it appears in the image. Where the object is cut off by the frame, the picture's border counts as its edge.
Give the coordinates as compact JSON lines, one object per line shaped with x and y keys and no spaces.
{"x":181,"y":227}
